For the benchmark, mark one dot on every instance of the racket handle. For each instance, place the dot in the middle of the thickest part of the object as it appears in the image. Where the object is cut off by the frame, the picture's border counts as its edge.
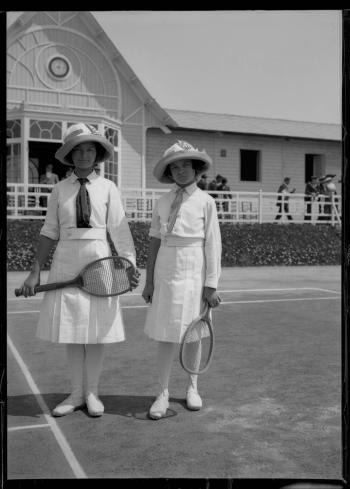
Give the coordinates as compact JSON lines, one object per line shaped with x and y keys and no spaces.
{"x":45,"y":287}
{"x":42,"y":288}
{"x":38,"y":288}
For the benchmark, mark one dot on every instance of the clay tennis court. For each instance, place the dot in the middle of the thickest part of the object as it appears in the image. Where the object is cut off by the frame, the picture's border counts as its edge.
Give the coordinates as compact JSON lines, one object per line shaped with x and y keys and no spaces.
{"x":271,"y":397}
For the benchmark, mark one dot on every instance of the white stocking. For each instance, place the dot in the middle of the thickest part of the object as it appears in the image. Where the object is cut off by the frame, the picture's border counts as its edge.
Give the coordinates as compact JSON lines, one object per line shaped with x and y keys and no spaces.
{"x":76,"y":357}
{"x":93,"y":361}
{"x":193,"y":354}
{"x":165,"y":356}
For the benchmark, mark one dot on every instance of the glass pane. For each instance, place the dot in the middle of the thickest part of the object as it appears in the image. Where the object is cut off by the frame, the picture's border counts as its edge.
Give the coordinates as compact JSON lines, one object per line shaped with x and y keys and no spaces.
{"x":13,"y":164}
{"x":13,"y":129}
{"x":112,"y":135}
{"x":45,"y":129}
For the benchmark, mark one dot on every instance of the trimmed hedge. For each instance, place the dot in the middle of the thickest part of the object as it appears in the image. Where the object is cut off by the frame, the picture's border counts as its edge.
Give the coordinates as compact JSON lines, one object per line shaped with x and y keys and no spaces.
{"x":243,"y":244}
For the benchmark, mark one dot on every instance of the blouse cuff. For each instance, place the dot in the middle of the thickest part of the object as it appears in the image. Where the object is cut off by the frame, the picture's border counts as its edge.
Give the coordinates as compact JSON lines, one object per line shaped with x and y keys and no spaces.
{"x":52,"y":235}
{"x":212,"y":283}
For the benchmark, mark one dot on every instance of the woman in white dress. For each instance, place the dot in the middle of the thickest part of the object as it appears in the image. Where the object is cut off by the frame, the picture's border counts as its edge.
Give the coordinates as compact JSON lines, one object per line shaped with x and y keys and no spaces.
{"x":81,"y":209}
{"x":184,"y":262}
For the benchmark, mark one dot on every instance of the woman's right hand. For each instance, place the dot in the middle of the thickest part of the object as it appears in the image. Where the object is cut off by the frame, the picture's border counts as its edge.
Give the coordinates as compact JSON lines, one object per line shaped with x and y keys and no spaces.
{"x":147,"y":293}
{"x":28,"y":286}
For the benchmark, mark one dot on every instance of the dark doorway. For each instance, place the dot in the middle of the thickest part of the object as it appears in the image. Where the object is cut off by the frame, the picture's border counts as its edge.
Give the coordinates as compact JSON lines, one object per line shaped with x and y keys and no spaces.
{"x":314,"y":166}
{"x":43,"y":153}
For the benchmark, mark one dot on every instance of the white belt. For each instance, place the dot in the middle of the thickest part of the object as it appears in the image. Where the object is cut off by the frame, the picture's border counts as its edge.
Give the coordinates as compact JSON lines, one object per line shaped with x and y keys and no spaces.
{"x":83,"y":233}
{"x":179,"y":241}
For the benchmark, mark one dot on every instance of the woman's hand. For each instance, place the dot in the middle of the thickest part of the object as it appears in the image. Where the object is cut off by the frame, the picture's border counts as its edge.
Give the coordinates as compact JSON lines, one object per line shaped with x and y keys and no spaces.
{"x":147,"y":293}
{"x":134,"y":278}
{"x":28,"y":286}
{"x":211,"y":296}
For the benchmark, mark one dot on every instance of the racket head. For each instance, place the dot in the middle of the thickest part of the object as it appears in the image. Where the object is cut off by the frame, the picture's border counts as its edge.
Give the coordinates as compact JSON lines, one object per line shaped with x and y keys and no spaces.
{"x":197,"y":345}
{"x":107,"y":276}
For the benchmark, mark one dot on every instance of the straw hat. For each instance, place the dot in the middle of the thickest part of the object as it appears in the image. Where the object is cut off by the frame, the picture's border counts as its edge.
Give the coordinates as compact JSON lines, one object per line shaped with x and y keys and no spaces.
{"x":327,"y":178}
{"x":83,"y":133}
{"x":178,"y":151}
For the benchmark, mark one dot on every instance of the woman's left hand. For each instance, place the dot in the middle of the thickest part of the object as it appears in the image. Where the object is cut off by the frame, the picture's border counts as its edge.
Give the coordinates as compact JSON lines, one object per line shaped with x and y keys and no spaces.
{"x":211,"y":296}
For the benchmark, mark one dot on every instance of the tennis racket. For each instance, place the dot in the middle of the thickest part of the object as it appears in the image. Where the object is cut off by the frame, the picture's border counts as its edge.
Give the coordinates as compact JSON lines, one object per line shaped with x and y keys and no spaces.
{"x":103,"y":277}
{"x":197,"y":344}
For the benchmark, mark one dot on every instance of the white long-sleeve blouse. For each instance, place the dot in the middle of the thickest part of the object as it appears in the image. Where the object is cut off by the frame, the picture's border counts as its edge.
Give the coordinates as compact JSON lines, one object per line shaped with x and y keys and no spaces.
{"x":197,"y":218}
{"x":107,"y":213}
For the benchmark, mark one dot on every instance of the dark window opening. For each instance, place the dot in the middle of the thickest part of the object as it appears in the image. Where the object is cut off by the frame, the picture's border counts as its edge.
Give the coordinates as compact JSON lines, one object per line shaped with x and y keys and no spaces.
{"x":250,"y":165}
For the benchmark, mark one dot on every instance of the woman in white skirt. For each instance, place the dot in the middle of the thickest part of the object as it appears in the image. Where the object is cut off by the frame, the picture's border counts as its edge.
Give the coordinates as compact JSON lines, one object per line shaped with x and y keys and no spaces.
{"x":184,"y":262}
{"x":81,"y":209}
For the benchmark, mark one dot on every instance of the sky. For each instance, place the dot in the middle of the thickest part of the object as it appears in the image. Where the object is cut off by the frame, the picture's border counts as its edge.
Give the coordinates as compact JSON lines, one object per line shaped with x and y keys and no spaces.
{"x":268,"y":63}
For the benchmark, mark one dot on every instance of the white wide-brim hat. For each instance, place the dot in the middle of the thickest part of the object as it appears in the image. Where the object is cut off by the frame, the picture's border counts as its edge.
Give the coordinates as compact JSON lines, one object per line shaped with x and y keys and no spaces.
{"x":178,"y":151}
{"x":83,"y":133}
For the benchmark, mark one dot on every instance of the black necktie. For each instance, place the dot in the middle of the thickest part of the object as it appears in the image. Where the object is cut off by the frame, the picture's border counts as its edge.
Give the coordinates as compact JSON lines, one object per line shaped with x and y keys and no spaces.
{"x":83,"y":205}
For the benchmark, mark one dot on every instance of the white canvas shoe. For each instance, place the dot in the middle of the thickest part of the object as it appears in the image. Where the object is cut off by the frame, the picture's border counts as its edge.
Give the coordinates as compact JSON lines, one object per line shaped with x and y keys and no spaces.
{"x":69,"y":405}
{"x":193,"y":399}
{"x":159,"y":407}
{"x":94,"y":404}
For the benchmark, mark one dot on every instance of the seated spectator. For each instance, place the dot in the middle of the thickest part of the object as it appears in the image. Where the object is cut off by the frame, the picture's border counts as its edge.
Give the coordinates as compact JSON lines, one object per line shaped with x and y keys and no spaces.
{"x":311,"y":192}
{"x":202,"y":182}
{"x":47,"y":178}
{"x":327,"y":189}
{"x":222,"y":187}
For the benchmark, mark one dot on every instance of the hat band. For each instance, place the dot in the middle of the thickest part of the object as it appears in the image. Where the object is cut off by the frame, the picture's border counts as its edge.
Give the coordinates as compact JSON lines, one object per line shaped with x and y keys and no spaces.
{"x":81,"y":132}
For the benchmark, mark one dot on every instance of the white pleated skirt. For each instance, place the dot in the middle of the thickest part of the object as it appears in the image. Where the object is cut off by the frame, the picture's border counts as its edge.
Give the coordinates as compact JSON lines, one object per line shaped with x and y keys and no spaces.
{"x":178,"y":289}
{"x":71,"y":315}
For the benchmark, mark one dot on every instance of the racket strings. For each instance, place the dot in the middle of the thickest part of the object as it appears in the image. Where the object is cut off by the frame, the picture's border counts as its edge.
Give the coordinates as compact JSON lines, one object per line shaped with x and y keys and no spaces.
{"x":196,"y":348}
{"x":107,"y":277}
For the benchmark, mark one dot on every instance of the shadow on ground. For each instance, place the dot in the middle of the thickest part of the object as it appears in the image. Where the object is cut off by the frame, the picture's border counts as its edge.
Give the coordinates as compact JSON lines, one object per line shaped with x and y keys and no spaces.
{"x":129,"y":406}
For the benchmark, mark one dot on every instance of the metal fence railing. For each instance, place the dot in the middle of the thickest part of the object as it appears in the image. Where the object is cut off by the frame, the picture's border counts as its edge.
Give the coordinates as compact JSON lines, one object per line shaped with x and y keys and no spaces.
{"x":29,"y":201}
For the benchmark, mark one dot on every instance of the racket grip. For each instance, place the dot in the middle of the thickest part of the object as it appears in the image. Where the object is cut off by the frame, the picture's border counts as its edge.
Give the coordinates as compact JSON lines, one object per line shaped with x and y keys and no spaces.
{"x":38,"y":288}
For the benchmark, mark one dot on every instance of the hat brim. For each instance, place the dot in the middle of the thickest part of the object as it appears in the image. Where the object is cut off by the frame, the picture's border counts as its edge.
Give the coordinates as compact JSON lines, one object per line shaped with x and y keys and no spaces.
{"x":66,"y":148}
{"x":159,"y":169}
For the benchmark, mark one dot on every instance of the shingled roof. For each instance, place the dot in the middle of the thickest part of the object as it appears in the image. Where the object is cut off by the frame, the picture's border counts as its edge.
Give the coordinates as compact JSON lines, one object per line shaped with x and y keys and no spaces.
{"x":187,"y":119}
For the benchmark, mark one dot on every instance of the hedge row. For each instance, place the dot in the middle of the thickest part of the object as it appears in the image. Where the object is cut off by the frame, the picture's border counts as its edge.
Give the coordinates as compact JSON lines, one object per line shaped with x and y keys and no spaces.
{"x":243,"y":244}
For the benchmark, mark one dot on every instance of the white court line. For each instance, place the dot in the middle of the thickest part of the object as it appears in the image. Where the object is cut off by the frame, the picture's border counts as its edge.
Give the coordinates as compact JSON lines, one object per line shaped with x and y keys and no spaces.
{"x":280,"y":300}
{"x":221,"y":303}
{"x":61,"y":440}
{"x":28,"y":427}
{"x":230,"y":291}
{"x":22,"y":312}
{"x":277,"y":290}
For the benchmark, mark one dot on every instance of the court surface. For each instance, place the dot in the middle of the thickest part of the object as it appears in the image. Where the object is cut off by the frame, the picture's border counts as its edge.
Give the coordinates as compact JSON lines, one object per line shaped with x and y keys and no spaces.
{"x":271,"y":397}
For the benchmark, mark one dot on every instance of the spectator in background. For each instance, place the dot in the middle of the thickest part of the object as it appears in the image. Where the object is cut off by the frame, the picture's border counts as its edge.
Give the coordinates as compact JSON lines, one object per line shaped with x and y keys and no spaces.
{"x":213,"y":185}
{"x":69,"y":172}
{"x":327,"y":188}
{"x":222,"y":187}
{"x":47,"y":178}
{"x":202,"y":182}
{"x":311,"y":192}
{"x":283,"y":199}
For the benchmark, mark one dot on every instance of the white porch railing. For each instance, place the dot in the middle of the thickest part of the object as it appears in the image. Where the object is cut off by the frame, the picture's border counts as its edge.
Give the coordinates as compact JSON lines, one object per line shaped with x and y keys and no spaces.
{"x":30,"y":201}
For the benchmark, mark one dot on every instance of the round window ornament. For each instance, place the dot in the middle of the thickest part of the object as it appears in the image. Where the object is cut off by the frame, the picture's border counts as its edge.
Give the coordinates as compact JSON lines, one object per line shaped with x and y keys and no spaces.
{"x":58,"y":67}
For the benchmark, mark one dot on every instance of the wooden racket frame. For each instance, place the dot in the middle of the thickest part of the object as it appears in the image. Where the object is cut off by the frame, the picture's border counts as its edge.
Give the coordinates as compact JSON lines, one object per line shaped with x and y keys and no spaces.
{"x":77,"y":280}
{"x":206,"y":317}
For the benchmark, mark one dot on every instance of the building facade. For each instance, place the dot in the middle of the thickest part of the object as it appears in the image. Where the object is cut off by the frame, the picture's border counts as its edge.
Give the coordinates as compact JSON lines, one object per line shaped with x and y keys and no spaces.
{"x":62,"y":68}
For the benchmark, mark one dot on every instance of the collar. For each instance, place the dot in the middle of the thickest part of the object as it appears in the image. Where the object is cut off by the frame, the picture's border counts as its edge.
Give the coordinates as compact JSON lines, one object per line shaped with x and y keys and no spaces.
{"x":189,"y":189}
{"x":92,"y":176}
